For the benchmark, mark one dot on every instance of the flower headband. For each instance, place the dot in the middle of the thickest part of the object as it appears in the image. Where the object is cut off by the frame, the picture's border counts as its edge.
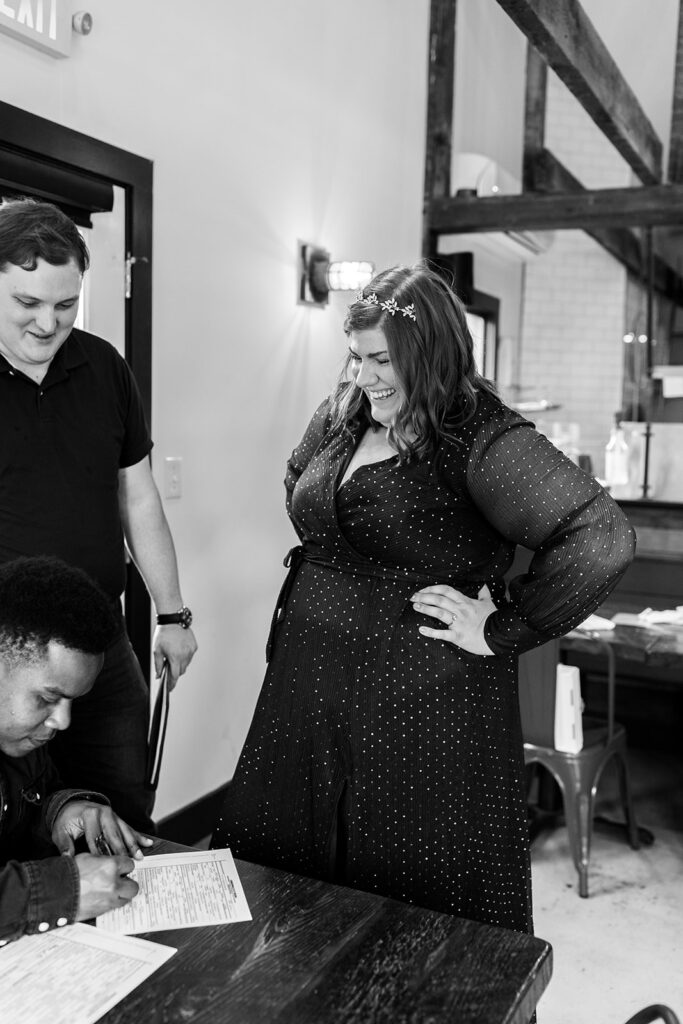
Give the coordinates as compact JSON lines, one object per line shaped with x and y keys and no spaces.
{"x":390,"y":306}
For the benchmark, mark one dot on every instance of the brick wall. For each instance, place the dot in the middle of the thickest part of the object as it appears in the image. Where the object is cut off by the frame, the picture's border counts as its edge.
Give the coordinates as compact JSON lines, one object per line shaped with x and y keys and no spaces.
{"x":575,"y":295}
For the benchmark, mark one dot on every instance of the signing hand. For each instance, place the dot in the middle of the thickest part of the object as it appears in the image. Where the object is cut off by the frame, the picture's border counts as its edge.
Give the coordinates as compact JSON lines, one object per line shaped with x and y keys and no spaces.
{"x":104,"y":884}
{"x":104,"y":831}
{"x":464,"y":616}
{"x":175,"y":645}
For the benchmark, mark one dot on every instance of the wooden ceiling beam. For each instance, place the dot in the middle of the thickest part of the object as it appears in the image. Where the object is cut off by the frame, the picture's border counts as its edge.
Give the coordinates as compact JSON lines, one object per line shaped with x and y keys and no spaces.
{"x":566,"y":38}
{"x":676,"y":138}
{"x":656,"y":205}
{"x":543,"y":172}
{"x":547,"y":174}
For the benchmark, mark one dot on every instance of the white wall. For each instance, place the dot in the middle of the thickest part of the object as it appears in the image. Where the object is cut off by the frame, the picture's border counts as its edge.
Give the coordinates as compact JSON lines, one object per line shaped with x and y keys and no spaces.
{"x":641,"y":38}
{"x":573,"y":326}
{"x":491,"y":55}
{"x":575,"y":295}
{"x":488,"y":119}
{"x":266,"y":122}
{"x":488,"y":102}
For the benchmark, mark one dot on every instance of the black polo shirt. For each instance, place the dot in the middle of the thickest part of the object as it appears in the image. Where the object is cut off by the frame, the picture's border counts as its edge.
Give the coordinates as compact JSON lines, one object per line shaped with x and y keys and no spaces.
{"x":62,"y":444}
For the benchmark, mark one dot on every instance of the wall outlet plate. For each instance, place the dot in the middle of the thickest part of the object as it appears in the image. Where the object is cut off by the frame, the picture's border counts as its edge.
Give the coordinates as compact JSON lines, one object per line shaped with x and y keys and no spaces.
{"x":173,"y":480}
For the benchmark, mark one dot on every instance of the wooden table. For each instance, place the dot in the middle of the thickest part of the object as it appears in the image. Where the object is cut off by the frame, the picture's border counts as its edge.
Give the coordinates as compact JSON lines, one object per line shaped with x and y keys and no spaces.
{"x":317,"y":953}
{"x":654,"y":646}
{"x":647,"y":661}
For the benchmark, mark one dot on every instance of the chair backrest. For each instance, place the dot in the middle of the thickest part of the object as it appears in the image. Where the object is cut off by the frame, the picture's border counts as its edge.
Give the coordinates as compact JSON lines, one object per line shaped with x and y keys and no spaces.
{"x":536,"y":684}
{"x":653,"y":1013}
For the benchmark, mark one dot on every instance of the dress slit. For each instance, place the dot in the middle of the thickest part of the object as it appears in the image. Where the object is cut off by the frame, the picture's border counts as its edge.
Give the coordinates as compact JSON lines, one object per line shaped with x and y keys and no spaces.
{"x":338,"y":838}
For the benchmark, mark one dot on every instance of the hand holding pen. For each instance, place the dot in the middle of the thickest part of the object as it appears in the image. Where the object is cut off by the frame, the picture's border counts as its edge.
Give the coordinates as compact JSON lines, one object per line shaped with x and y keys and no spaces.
{"x":102,"y":846}
{"x":105,"y":834}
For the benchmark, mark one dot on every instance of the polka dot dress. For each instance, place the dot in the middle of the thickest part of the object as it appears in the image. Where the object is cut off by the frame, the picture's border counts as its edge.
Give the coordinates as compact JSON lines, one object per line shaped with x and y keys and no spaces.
{"x":391,"y":761}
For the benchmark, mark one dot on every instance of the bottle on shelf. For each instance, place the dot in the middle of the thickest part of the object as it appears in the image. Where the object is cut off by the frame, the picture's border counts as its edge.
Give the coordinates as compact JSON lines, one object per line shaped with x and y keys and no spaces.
{"x":616,"y":456}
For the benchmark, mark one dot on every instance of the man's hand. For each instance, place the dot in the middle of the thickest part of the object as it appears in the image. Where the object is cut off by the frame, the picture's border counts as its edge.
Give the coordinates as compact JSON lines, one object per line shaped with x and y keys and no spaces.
{"x":104,"y":884}
{"x":175,"y":645}
{"x":103,"y":830}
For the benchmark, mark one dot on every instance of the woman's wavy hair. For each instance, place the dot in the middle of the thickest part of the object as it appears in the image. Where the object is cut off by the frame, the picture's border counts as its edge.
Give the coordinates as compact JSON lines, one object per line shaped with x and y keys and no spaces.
{"x":432,"y":357}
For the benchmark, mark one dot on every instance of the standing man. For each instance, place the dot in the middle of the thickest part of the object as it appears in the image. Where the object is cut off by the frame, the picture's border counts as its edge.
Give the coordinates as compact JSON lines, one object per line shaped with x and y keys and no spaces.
{"x":75,"y":480}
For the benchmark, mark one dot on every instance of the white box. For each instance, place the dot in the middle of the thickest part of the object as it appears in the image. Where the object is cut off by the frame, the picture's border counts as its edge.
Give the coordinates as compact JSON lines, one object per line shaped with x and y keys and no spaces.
{"x":568,"y":728}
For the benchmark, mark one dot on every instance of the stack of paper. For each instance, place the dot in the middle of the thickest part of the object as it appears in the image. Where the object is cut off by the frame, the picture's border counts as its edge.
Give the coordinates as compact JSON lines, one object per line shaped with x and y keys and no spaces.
{"x":72,"y":975}
{"x":669,"y":617}
{"x":595,"y":623}
{"x":179,"y":890}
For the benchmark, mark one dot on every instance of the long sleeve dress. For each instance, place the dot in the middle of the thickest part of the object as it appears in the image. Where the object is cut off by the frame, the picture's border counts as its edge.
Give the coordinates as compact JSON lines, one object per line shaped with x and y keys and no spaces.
{"x":408,"y":744}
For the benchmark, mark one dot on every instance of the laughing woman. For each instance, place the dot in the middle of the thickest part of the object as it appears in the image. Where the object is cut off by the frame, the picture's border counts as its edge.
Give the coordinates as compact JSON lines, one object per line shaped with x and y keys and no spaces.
{"x":385,"y":751}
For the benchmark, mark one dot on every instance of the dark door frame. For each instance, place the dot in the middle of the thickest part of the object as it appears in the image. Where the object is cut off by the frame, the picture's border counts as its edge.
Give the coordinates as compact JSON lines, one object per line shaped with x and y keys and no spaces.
{"x":487,"y":307}
{"x":28,"y":134}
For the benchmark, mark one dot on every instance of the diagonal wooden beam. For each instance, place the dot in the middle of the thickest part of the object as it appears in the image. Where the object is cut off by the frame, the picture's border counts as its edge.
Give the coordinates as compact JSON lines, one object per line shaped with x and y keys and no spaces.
{"x":532,"y":211}
{"x":543,"y":172}
{"x":534,"y":113}
{"x":547,"y":174}
{"x":437,"y":181}
{"x":564,"y":35}
{"x":676,"y":139}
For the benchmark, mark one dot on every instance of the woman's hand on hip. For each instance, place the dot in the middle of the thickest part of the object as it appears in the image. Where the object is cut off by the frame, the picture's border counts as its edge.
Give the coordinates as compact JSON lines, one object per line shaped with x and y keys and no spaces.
{"x":464,"y":616}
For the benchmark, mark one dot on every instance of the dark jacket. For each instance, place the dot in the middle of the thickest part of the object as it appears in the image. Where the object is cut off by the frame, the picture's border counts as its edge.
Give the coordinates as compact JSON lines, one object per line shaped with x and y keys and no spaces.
{"x":38,"y":890}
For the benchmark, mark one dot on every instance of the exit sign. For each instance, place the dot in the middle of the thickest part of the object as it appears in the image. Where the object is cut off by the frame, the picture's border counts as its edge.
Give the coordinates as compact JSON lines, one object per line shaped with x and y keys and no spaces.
{"x":44,"y":24}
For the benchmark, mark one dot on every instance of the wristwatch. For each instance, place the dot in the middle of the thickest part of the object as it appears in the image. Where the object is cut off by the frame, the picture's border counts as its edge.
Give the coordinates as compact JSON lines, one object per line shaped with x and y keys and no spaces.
{"x":183,"y":618}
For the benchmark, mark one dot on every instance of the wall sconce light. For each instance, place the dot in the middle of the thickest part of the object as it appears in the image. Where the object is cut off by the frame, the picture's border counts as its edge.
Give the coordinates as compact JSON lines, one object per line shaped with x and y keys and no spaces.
{"x":318,"y":275}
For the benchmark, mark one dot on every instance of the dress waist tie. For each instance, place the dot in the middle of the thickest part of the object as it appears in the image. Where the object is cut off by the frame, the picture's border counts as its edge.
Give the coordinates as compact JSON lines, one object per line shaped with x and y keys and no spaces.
{"x":318,"y":556}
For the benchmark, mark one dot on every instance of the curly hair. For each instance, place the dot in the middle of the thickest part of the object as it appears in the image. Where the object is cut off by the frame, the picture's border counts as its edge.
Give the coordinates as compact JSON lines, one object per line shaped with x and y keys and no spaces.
{"x":32,"y":230}
{"x":43,"y":600}
{"x":432,"y":357}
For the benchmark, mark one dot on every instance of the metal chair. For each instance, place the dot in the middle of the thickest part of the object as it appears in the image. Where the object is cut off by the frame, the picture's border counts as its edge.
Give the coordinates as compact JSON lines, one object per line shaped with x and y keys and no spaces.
{"x":652,"y":1013}
{"x":578,"y":774}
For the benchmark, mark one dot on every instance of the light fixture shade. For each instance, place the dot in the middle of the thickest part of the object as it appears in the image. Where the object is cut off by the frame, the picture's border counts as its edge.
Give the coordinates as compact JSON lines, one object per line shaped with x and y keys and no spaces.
{"x":349,"y":275}
{"x":318,"y":275}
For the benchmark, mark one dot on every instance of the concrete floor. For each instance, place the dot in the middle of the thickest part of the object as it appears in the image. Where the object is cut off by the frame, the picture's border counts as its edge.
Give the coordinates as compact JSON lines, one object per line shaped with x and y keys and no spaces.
{"x":622,"y":948}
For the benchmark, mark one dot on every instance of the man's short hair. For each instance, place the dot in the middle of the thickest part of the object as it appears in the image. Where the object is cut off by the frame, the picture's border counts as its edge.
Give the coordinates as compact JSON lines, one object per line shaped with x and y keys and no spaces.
{"x":31,"y":230}
{"x":42,"y":600}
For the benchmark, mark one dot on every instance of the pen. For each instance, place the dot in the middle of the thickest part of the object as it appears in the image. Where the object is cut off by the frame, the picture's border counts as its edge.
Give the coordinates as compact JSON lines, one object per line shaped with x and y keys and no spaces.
{"x":102,"y":846}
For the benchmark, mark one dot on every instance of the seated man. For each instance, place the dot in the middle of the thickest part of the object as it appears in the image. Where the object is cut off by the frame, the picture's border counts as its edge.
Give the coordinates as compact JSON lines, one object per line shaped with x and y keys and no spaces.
{"x":54,"y":625}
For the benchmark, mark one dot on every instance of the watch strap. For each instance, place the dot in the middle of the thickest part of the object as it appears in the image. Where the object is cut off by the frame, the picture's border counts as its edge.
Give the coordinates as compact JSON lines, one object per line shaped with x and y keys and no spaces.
{"x":183,"y":617}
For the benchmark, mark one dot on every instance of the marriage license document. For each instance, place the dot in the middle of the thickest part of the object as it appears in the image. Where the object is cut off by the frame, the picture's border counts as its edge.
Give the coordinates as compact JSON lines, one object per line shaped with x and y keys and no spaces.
{"x":181,"y":890}
{"x":72,"y":975}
